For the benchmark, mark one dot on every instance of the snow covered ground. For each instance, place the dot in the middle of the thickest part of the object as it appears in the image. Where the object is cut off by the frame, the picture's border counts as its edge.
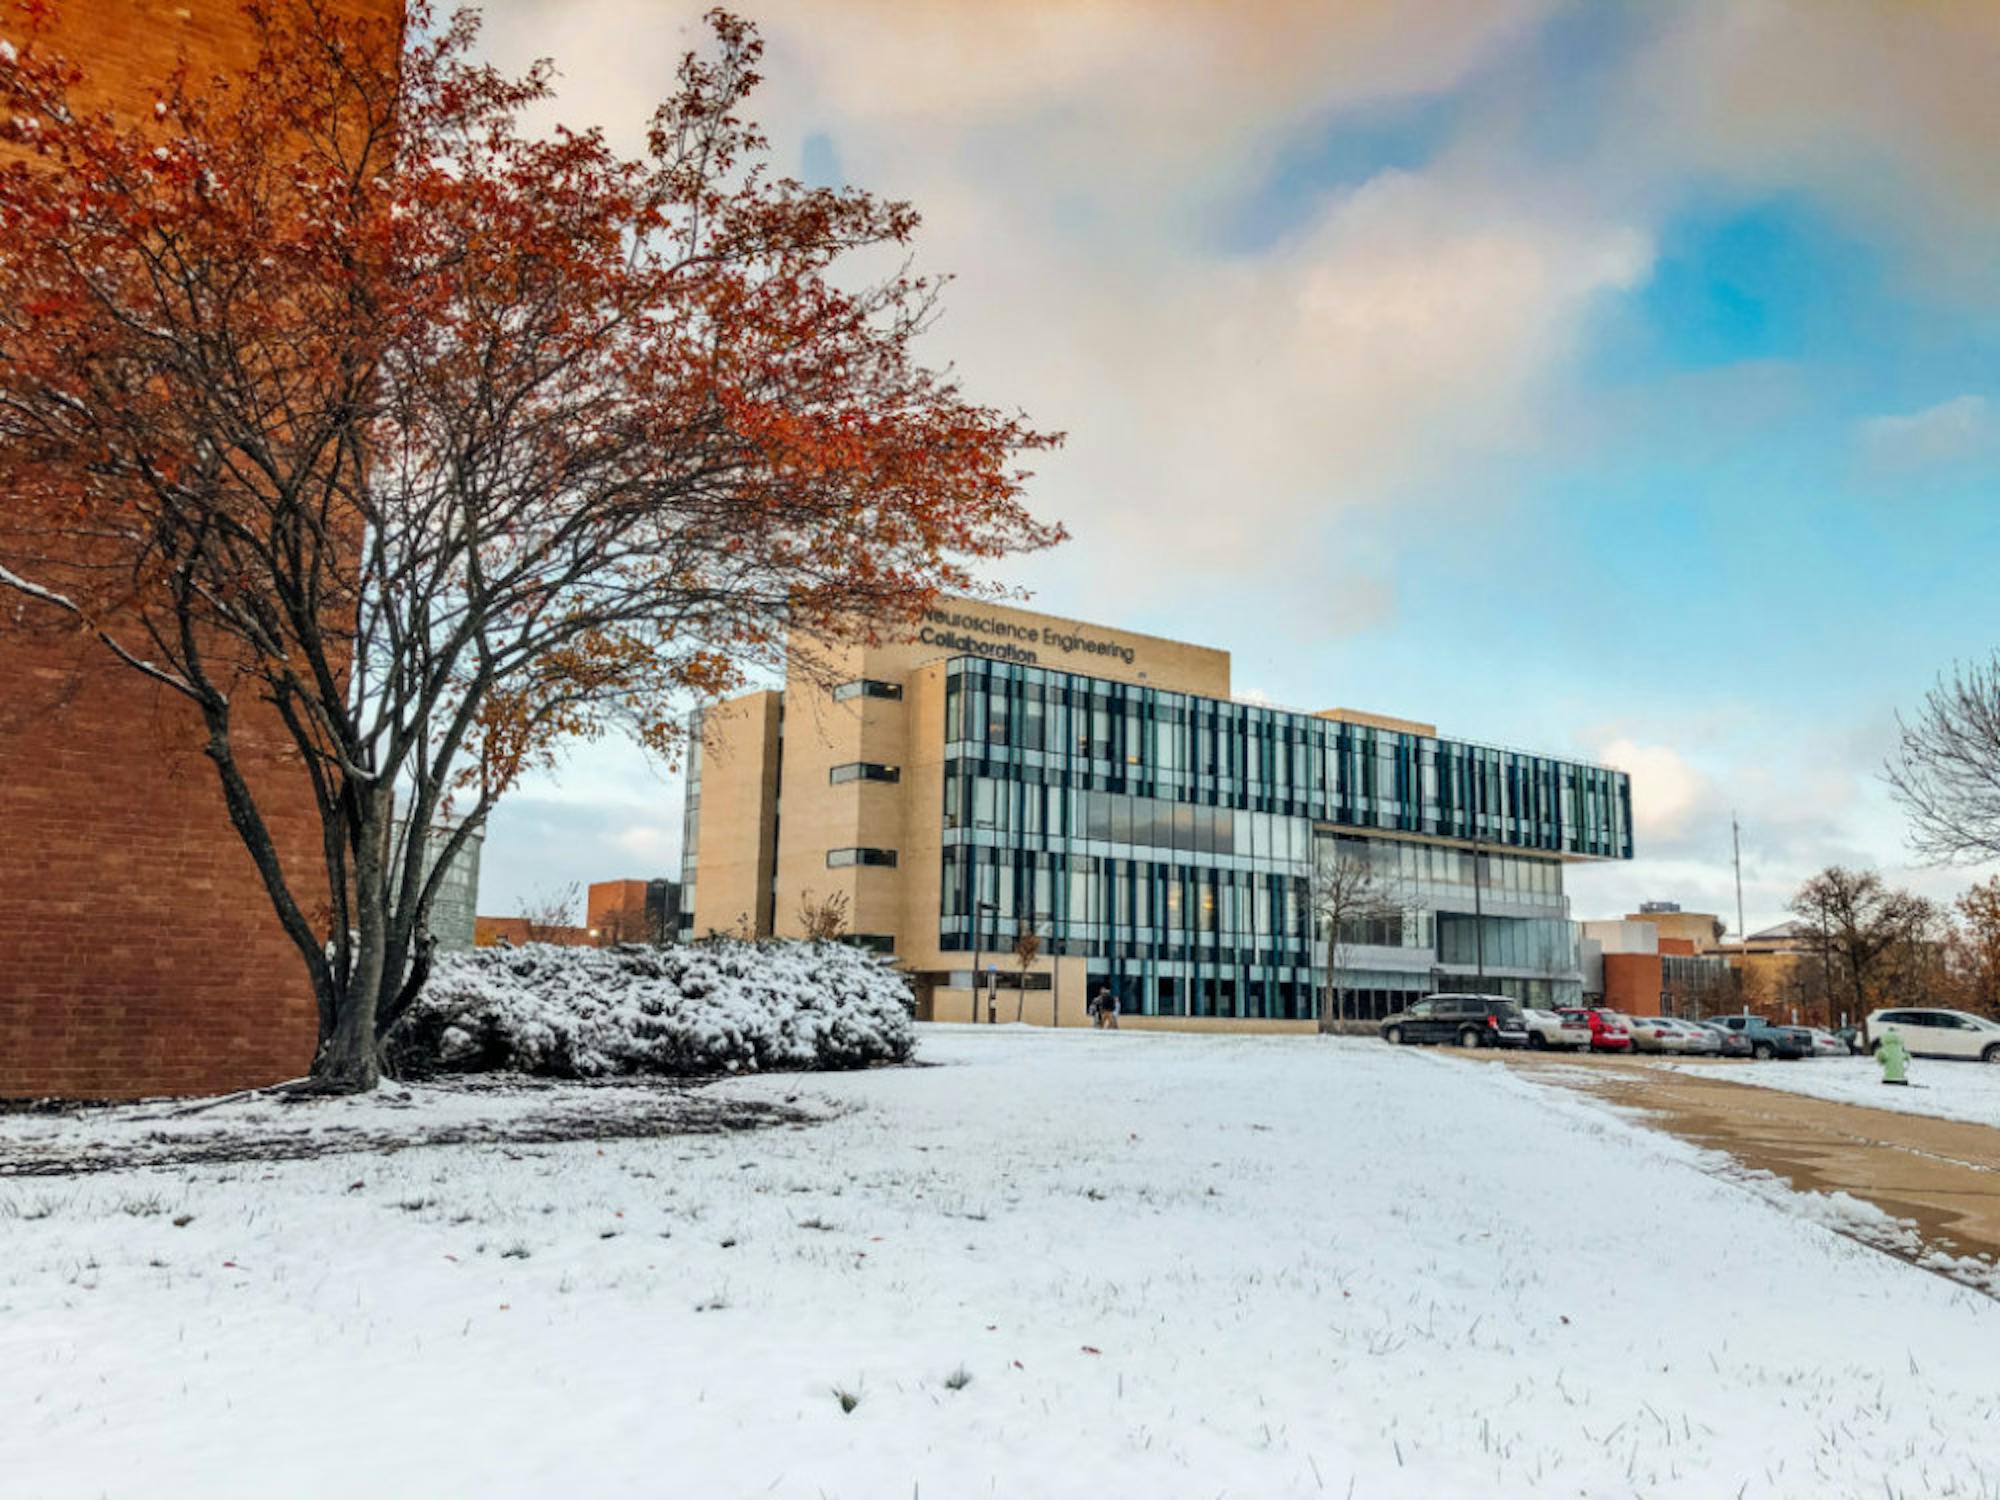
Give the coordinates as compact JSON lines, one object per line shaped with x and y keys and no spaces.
{"x":1071,"y":1264}
{"x":1947,"y":1090}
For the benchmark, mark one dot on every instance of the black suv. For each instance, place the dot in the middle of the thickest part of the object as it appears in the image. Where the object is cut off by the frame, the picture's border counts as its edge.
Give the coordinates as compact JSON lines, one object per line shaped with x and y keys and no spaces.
{"x":1467,"y":1020}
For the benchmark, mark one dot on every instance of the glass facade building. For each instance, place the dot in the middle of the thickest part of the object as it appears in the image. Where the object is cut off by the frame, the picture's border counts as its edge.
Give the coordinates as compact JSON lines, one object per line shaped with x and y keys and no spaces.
{"x":1169,"y":840}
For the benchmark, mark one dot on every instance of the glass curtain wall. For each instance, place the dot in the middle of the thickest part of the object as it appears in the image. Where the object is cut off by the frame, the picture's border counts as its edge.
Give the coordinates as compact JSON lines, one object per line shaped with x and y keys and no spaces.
{"x":1169,"y":838}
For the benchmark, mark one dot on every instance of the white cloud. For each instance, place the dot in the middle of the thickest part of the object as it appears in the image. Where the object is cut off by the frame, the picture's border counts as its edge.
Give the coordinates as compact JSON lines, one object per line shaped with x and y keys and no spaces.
{"x":1951,"y":432}
{"x":1266,"y":418}
{"x":1668,"y":794}
{"x":1069,"y":159}
{"x":1886,"y":109}
{"x":656,"y":843}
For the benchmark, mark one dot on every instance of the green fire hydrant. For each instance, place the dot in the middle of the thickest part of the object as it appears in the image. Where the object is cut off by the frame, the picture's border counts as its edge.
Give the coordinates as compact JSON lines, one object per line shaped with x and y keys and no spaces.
{"x":1894,"y":1058}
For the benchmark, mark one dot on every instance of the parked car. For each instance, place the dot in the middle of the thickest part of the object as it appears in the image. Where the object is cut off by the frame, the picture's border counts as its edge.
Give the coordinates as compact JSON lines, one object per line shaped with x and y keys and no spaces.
{"x":1734,"y":1043}
{"x":1826,"y":1044}
{"x":1768,"y":1041}
{"x":1656,"y":1034}
{"x":1608,"y":1030}
{"x":1548,"y":1029}
{"x":1936,"y":1033}
{"x":1467,"y":1020}
{"x":1701,"y":1041}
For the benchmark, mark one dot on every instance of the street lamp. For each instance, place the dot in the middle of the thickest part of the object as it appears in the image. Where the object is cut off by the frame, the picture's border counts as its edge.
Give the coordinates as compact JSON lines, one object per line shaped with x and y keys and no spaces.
{"x":1479,"y":910}
{"x":977,"y":908}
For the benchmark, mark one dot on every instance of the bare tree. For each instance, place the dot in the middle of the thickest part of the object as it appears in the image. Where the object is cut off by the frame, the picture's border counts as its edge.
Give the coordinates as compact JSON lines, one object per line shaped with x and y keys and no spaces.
{"x":1946,"y":769}
{"x":1974,"y":948}
{"x":823,"y":920}
{"x":550,"y":916}
{"x":1712,"y":991}
{"x":1027,"y":948}
{"x":1860,"y":924}
{"x":632,"y":924}
{"x":1346,"y":891}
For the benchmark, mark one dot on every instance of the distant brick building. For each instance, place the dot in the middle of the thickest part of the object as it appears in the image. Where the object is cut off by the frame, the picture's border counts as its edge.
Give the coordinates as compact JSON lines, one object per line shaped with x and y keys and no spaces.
{"x":635,"y":911}
{"x":619,"y":911}
{"x":492,"y":932}
{"x":1656,"y":962}
{"x":138,"y":951}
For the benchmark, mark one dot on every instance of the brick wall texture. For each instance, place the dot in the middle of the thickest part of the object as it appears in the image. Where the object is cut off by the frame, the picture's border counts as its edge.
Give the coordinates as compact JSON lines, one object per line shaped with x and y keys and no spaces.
{"x":1632,"y":983}
{"x":138,"y":951}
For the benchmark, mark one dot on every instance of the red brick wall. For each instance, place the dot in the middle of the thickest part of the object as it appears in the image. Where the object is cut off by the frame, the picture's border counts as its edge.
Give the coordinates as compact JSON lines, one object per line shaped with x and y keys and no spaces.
{"x":1632,"y":983}
{"x":617,"y":904}
{"x":489,"y":932}
{"x":138,"y":951}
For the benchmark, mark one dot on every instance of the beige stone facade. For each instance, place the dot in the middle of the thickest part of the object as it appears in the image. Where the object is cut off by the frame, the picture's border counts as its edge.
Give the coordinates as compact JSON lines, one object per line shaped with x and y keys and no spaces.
{"x":836,"y":789}
{"x":736,"y":781}
{"x":769,"y":810}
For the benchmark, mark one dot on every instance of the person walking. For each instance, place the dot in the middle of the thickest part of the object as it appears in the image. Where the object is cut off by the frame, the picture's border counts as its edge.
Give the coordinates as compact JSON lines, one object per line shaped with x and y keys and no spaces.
{"x":1095,"y":1004}
{"x":1107,"y":1007}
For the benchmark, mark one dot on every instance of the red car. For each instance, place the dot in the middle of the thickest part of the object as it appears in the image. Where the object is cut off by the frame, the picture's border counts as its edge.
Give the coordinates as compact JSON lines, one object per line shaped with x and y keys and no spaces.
{"x":1608,"y":1031}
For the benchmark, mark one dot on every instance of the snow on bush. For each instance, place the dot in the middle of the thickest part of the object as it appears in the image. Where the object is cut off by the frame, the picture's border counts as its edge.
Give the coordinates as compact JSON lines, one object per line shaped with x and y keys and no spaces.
{"x":710,"y":1007}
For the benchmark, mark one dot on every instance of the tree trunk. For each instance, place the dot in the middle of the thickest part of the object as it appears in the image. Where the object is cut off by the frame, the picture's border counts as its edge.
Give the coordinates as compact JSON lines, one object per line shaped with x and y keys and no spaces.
{"x":350,"y":1060}
{"x":1328,"y":1022}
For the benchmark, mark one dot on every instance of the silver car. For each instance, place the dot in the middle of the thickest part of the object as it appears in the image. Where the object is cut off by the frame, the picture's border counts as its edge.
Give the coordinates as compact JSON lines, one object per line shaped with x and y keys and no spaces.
{"x":1702,"y":1041}
{"x":1657,"y":1034}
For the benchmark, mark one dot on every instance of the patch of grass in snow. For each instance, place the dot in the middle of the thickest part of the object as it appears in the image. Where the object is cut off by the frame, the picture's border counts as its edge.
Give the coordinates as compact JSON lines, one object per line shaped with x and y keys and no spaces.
{"x":848,"y":1399}
{"x":42,"y":1208}
{"x":418,"y":1205}
{"x":816,"y":1222}
{"x":958,"y":1379}
{"x":151,"y":1206}
{"x":714,"y":1302}
{"x":515,"y":1251}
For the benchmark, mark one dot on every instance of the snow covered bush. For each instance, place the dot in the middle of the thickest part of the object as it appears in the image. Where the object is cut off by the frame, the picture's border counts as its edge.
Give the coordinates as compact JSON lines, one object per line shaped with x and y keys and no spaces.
{"x":710,"y":1007}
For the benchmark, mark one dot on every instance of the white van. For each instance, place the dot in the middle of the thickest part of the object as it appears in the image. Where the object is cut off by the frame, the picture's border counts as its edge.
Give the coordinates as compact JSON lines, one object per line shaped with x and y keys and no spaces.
{"x":1937,"y":1033}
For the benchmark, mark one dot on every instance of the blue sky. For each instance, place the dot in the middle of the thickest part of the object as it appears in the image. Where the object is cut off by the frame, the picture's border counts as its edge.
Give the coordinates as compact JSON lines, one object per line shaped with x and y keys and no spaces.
{"x":1619,"y":380}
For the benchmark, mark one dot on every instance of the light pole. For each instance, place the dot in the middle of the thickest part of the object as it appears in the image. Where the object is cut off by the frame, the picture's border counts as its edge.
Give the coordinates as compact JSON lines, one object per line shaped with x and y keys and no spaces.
{"x":1479,"y":912}
{"x":977,"y":908}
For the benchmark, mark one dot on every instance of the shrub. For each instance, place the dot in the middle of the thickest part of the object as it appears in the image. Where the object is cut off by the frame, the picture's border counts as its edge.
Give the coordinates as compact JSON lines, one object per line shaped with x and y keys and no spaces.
{"x":712,"y":1007}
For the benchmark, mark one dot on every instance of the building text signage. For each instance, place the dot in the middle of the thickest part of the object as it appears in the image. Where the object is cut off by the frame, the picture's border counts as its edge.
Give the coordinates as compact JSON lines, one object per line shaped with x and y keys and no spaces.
{"x":1008,"y":640}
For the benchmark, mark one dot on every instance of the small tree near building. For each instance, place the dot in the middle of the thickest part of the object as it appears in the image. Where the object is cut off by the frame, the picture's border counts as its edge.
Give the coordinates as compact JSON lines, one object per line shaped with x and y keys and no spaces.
{"x":1708,"y":989}
{"x":823,"y":919}
{"x":1346,"y":893}
{"x":1027,"y":948}
{"x":550,"y":916}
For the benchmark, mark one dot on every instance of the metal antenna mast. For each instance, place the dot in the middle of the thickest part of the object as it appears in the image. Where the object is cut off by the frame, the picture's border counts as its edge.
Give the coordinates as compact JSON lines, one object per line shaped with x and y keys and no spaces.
{"x":1736,"y":840}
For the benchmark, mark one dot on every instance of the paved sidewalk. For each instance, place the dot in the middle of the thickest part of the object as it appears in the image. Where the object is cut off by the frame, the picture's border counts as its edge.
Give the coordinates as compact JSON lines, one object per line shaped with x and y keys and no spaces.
{"x":1942,"y":1174}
